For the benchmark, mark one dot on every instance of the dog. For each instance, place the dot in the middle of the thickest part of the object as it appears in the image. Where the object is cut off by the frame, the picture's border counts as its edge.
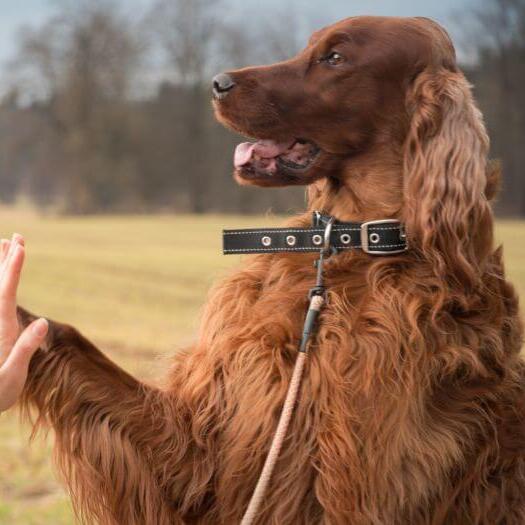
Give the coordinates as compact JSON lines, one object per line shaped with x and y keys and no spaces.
{"x":412,"y":406}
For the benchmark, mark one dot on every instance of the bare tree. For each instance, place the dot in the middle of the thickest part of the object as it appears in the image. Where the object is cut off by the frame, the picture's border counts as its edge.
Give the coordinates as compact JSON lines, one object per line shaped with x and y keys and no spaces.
{"x":498,"y":29}
{"x":87,"y":67}
{"x":187,"y":30}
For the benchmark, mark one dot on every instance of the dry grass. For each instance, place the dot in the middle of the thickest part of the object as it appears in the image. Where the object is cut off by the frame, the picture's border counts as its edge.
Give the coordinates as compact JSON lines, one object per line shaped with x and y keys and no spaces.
{"x":134,"y":285}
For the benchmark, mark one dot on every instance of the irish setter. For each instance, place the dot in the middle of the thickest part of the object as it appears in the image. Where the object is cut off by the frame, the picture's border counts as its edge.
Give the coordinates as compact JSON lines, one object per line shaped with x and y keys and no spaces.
{"x":412,"y":407}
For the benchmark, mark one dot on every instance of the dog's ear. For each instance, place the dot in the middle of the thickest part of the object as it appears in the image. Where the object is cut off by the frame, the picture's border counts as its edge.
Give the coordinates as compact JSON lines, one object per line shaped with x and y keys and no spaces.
{"x":447,"y":215}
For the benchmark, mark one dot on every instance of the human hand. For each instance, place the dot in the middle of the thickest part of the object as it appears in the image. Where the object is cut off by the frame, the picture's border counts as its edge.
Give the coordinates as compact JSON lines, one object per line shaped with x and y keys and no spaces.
{"x":16,"y":349}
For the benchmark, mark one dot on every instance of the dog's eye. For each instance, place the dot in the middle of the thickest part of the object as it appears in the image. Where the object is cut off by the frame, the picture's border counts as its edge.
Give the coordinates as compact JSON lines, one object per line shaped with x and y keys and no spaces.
{"x":334,"y":58}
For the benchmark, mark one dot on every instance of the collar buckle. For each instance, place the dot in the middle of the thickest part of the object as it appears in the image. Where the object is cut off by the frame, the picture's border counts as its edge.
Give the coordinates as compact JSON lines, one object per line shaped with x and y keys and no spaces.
{"x":368,"y":239}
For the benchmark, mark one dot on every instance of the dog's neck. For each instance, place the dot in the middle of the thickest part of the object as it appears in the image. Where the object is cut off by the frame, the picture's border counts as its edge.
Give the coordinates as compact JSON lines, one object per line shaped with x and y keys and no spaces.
{"x":370,"y":188}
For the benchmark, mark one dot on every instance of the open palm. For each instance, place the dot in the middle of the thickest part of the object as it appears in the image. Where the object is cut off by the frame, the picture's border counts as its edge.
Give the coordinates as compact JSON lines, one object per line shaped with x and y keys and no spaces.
{"x":16,"y":348}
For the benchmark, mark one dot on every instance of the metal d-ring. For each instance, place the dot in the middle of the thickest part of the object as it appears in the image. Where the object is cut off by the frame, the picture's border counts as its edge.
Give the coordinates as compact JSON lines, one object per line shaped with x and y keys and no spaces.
{"x":327,"y":232}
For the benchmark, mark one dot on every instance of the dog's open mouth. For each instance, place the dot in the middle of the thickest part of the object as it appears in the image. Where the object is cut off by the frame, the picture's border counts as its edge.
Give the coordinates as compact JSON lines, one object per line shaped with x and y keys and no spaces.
{"x":275,"y":163}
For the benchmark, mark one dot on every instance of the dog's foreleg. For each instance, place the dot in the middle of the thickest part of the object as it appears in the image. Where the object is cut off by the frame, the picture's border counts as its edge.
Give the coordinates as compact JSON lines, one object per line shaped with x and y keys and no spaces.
{"x":106,"y":424}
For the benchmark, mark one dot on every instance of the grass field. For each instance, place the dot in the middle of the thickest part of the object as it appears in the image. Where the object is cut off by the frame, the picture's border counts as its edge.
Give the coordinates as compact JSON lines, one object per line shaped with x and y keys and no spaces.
{"x":134,"y":285}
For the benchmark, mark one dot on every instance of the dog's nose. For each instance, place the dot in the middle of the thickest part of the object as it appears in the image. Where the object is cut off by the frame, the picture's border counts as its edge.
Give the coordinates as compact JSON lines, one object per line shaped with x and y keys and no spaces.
{"x":222,"y":84}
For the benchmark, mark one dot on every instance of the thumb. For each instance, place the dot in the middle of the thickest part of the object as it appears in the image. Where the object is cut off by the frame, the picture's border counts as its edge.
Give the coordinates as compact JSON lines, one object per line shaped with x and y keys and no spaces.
{"x":26,"y":345}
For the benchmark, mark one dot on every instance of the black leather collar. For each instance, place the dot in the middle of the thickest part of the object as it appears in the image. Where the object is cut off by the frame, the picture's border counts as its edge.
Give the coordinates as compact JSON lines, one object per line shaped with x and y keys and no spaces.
{"x":380,"y":237}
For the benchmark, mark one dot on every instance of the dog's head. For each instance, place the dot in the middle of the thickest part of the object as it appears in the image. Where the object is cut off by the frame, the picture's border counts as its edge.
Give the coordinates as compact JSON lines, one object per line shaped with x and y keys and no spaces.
{"x":333,"y":101}
{"x":361,"y":87}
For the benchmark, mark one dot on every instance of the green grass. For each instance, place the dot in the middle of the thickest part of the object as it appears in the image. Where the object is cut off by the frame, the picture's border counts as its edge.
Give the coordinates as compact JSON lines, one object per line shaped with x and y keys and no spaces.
{"x":134,"y":285}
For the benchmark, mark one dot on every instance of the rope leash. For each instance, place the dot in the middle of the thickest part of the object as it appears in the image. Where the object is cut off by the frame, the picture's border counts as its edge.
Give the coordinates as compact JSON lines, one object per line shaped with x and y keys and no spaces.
{"x":317,"y":301}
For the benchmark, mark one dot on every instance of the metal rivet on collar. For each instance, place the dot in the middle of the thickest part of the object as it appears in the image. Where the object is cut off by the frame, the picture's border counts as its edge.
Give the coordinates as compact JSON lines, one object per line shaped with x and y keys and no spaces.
{"x":317,"y":240}
{"x":345,"y":238}
{"x":374,"y":238}
{"x":291,"y":240}
{"x":266,"y":241}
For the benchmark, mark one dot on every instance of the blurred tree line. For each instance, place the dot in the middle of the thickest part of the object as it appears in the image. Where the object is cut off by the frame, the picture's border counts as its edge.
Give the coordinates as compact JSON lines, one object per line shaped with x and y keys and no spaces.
{"x":112,"y":114}
{"x":499,"y":86}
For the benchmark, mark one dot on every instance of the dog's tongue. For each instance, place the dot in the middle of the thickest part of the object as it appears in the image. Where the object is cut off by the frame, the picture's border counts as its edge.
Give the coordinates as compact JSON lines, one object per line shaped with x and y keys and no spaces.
{"x":266,"y":149}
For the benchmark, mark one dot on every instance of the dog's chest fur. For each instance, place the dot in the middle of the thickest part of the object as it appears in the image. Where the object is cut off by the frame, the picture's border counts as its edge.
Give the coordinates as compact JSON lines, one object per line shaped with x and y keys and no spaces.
{"x":357,"y":423}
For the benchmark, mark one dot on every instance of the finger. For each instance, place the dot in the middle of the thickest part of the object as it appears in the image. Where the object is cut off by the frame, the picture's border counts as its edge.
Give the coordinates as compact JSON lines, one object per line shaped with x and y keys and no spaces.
{"x":16,"y":239}
{"x":9,"y":327}
{"x":4,"y":251}
{"x":19,"y":239}
{"x":14,"y":370}
{"x":4,"y":248}
{"x":11,"y":277}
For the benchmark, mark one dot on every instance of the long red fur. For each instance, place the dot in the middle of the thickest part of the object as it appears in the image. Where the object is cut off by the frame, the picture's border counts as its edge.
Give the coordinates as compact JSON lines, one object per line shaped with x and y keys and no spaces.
{"x":412,"y":408}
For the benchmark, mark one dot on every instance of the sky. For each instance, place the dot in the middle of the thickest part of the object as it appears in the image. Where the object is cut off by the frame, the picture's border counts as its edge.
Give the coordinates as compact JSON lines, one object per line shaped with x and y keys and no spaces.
{"x":14,"y":14}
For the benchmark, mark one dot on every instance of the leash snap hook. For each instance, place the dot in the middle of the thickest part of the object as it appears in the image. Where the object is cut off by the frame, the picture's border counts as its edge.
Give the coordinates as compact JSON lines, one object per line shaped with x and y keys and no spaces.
{"x":327,"y":248}
{"x":326,"y":251}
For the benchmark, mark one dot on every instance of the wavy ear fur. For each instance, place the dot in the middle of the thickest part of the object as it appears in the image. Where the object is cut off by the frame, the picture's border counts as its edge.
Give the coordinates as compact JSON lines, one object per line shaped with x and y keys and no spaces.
{"x":448,"y":217}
